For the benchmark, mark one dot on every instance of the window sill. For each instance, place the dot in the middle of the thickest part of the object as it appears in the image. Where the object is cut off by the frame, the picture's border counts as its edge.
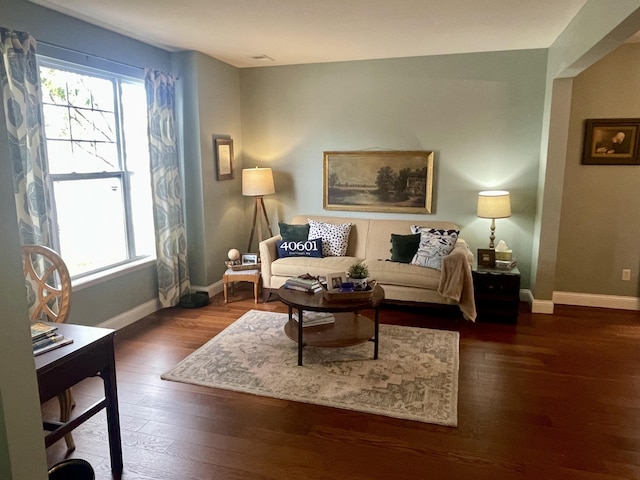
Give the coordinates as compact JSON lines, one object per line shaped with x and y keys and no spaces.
{"x":105,"y":275}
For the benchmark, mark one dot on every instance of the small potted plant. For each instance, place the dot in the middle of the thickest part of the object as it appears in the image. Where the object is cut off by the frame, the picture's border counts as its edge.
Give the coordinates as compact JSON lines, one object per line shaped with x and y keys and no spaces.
{"x":358,"y":274}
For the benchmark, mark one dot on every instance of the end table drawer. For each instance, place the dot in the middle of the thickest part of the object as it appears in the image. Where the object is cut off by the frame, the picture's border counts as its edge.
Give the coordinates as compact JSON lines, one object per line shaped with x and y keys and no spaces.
{"x":497,"y":284}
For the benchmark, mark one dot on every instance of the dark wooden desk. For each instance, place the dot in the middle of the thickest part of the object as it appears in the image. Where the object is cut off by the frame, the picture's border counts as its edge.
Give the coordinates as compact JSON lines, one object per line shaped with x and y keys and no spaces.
{"x":90,"y":354}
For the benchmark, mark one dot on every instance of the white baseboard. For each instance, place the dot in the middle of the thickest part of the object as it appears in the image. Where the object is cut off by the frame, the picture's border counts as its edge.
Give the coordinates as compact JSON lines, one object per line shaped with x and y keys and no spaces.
{"x":537,"y":306}
{"x":542,"y":306}
{"x":131,"y":316}
{"x":212,"y":290}
{"x":595,"y":300}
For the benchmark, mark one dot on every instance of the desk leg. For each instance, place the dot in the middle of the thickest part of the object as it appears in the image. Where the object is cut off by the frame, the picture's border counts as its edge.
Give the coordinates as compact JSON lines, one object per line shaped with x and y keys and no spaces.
{"x":113,"y":417}
{"x":376,"y":330}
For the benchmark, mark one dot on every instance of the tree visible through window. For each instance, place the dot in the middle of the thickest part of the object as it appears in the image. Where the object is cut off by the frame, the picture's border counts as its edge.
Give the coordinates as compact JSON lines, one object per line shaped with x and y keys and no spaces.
{"x":97,"y":150}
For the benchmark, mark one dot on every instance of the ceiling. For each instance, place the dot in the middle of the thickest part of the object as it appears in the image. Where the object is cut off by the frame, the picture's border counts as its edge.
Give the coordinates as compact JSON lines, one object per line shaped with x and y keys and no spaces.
{"x":312,"y":31}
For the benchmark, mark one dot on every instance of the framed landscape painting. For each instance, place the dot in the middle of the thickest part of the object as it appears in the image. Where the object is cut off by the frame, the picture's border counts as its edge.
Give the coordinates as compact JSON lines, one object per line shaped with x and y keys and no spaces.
{"x":385,"y":181}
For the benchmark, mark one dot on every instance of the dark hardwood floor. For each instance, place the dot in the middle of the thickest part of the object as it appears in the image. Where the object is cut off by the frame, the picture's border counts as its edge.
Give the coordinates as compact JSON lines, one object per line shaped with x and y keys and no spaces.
{"x":553,"y":397}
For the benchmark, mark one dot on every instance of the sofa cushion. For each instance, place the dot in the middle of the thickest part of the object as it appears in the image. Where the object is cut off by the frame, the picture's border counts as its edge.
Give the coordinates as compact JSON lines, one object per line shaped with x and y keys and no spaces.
{"x":403,"y":274}
{"x":293,"y":233}
{"x":302,"y":248}
{"x":434,"y":244}
{"x":335,"y":237}
{"x":404,"y":247}
{"x":294,"y":266}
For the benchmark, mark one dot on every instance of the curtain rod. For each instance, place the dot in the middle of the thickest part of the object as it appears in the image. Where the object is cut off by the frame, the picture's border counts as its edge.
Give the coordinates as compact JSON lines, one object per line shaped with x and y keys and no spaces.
{"x":72,"y":50}
{"x":98,"y":57}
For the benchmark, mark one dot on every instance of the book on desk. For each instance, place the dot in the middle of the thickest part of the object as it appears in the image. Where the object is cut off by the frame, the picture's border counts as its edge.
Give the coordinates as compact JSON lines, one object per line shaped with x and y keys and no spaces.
{"x":44,"y":338}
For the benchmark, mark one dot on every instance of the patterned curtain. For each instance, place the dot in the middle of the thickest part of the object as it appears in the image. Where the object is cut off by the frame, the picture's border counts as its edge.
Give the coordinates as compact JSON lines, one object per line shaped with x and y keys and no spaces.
{"x":171,"y":243}
{"x":22,"y":105}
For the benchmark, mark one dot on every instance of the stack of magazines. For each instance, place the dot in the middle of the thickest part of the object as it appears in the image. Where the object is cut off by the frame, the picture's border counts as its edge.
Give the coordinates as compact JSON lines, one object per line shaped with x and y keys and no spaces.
{"x":309,"y":285}
{"x":311,"y":319}
{"x":44,"y":337}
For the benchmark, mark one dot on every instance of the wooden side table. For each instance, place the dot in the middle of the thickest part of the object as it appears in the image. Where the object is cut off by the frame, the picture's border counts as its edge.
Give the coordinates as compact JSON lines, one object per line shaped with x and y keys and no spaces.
{"x":497,"y":294}
{"x":232,"y":276}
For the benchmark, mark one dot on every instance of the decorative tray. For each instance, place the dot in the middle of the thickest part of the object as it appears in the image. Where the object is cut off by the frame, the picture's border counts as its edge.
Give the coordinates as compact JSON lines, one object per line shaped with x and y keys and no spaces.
{"x":246,"y":266}
{"x":347,"y":296}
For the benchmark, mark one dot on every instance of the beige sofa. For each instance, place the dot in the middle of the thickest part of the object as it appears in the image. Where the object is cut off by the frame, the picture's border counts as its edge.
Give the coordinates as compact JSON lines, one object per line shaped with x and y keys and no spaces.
{"x":369,"y":241}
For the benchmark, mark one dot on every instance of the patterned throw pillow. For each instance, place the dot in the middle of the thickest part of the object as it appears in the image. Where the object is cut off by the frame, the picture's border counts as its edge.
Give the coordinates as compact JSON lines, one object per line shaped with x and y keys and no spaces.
{"x":434,"y":244}
{"x":335,"y":237}
{"x":303,"y":248}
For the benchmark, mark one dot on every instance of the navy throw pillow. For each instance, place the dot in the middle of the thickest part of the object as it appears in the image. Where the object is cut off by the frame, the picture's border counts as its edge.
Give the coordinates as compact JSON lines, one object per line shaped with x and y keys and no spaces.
{"x":302,"y":248}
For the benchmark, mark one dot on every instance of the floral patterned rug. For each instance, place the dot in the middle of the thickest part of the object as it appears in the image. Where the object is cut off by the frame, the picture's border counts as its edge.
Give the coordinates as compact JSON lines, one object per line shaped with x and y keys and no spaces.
{"x":415,"y":376}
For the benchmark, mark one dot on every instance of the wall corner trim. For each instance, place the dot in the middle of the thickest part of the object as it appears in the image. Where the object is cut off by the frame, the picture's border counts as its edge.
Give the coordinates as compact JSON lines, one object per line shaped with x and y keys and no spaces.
{"x":542,"y":306}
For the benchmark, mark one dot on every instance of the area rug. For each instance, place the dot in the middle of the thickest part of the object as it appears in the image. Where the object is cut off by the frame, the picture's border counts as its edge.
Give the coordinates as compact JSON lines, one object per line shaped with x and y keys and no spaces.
{"x":415,"y":376}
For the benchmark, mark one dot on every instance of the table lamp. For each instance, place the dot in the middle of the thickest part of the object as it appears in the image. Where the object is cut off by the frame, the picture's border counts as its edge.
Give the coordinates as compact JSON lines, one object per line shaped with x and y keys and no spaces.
{"x":258,"y":182}
{"x":493,"y":204}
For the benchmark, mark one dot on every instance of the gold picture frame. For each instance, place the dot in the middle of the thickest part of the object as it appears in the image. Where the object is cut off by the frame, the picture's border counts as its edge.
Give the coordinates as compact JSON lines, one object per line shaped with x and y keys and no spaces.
{"x":385,"y":181}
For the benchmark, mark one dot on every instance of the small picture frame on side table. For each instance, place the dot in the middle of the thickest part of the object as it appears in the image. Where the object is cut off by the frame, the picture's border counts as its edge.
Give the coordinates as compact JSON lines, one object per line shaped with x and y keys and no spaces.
{"x":486,"y":257}
{"x":249,"y":258}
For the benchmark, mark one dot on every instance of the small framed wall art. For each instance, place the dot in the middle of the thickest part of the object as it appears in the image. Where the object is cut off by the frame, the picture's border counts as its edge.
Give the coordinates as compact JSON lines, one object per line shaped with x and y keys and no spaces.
{"x":224,"y":158}
{"x":611,"y":141}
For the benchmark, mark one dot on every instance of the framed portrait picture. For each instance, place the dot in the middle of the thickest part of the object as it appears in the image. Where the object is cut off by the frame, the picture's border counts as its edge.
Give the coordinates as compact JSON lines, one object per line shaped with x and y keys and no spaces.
{"x":334,"y":280}
{"x":224,"y":158}
{"x":385,"y":181}
{"x":486,"y":258}
{"x":611,"y":141}
{"x":249,"y":258}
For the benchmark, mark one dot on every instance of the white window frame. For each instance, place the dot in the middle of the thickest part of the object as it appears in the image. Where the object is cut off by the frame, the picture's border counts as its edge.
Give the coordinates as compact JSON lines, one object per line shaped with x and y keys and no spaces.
{"x":117,"y":75}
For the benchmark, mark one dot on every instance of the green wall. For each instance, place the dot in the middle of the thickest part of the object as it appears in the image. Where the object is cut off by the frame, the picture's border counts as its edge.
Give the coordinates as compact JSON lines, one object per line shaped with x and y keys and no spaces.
{"x":215,"y":209}
{"x":480,"y":114}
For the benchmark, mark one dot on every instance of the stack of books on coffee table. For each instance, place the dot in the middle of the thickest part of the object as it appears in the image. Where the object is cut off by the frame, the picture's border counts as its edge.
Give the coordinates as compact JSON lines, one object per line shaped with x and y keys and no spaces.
{"x":309,"y":285}
{"x":45,"y":337}
{"x":312,"y":319}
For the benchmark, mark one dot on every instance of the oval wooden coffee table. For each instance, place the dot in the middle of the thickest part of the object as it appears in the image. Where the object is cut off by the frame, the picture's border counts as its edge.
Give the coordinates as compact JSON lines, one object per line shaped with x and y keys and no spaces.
{"x":349,"y":328}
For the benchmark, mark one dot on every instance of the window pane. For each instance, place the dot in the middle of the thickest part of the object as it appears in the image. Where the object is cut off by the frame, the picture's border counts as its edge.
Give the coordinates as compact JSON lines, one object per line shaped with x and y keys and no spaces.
{"x":56,"y":122}
{"x":134,"y":107}
{"x":91,"y":223}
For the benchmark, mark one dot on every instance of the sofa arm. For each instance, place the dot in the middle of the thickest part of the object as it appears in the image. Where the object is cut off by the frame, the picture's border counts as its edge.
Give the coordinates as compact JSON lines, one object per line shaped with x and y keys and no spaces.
{"x":462,"y":248}
{"x":268,"y":254}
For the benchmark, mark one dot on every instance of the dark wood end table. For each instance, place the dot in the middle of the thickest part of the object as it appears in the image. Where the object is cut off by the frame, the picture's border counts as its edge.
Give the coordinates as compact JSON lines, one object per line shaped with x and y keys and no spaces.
{"x":349,"y":328}
{"x":497,"y":294}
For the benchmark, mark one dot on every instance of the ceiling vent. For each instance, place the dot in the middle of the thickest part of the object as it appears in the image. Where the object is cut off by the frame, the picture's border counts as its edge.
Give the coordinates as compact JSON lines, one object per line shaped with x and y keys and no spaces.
{"x":262,"y":58}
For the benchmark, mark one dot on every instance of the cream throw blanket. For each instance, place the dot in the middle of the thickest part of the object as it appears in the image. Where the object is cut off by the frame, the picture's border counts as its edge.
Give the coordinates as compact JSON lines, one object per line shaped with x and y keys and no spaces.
{"x":456,"y":281}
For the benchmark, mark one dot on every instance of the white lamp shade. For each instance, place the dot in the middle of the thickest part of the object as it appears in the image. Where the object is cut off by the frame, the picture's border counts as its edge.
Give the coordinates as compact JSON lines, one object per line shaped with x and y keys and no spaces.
{"x":257,"y":182}
{"x":494,"y":204}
